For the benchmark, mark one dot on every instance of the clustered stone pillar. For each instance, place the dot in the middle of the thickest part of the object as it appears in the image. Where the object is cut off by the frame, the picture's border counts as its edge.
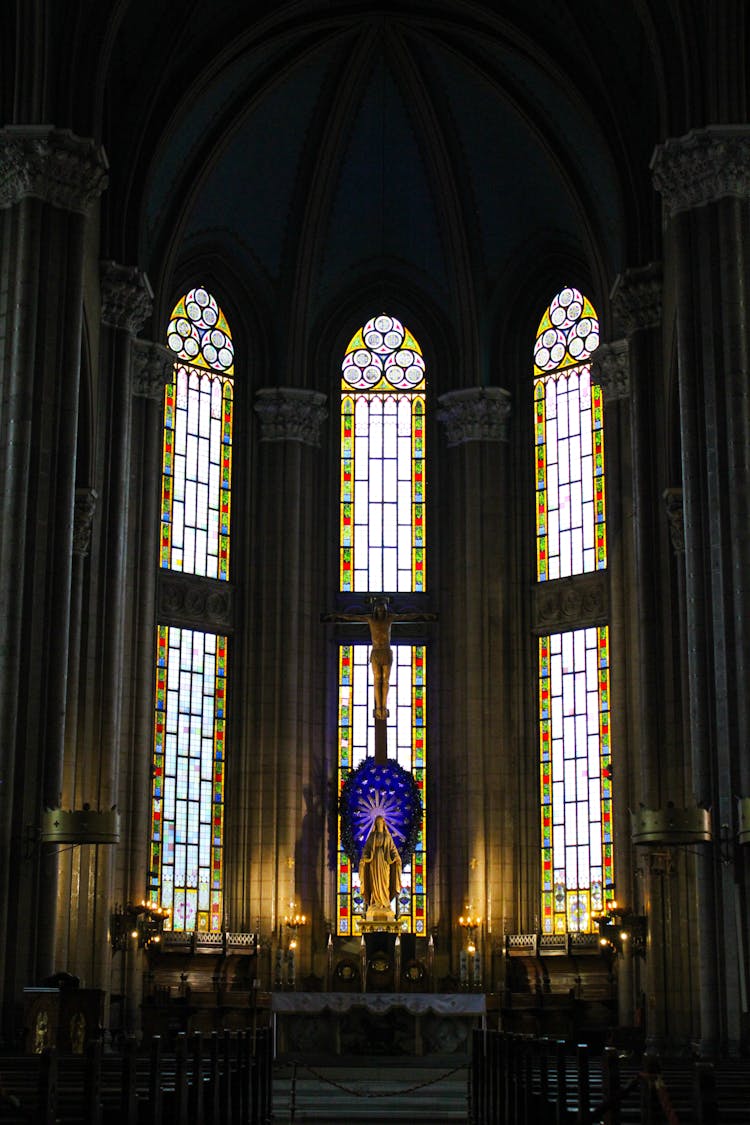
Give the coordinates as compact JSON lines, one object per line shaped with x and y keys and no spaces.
{"x":126,"y":301}
{"x":655,"y":777}
{"x":150,"y":371}
{"x":68,"y":858}
{"x":477,"y":841}
{"x":704,"y":180}
{"x":612,"y":373}
{"x":51,"y":179}
{"x":276,"y":849}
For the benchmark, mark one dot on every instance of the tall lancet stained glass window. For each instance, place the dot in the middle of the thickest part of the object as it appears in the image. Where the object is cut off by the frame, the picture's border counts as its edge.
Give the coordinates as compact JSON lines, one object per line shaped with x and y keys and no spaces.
{"x":407,"y":742}
{"x":574,"y":666}
{"x":187,"y":809}
{"x":570,"y":511}
{"x":382,"y":550}
{"x":382,"y":540}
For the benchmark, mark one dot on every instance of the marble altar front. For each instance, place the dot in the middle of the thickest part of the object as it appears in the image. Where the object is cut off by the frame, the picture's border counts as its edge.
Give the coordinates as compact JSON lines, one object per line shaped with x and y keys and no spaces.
{"x":380,"y":1024}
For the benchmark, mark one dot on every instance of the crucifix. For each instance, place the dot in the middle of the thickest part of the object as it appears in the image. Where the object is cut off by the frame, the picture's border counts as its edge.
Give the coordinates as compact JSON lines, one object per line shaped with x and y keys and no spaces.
{"x":380,"y":619}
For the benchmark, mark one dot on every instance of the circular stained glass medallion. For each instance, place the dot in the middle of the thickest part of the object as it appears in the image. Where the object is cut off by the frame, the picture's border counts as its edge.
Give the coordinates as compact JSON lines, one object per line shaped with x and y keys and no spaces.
{"x":383,"y":354}
{"x":198,"y":332}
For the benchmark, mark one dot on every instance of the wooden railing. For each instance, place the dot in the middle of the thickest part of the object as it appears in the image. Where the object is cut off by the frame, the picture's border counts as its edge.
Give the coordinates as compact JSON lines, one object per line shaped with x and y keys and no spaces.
{"x":522,"y":1080}
{"x":204,"y":1080}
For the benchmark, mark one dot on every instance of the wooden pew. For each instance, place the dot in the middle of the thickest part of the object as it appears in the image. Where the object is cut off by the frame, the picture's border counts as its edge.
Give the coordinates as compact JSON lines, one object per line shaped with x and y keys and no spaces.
{"x":524,"y":1080}
{"x":227,"y":1079}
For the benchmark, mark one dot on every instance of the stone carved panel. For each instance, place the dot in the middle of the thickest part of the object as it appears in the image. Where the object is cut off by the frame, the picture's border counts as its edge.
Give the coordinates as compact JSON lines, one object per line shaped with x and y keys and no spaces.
{"x":291,"y":414}
{"x":612,"y":370}
{"x":51,"y":164}
{"x":83,"y":519}
{"x":152,"y":367}
{"x":702,"y":167}
{"x":571,"y":603}
{"x":475,"y":414}
{"x":194,"y":602}
{"x":127,"y":297}
{"x":675,"y":514}
{"x":637,"y":298}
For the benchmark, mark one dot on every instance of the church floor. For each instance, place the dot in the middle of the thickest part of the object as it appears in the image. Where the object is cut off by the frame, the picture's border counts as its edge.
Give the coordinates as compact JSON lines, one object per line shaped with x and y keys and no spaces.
{"x":387,"y":1093}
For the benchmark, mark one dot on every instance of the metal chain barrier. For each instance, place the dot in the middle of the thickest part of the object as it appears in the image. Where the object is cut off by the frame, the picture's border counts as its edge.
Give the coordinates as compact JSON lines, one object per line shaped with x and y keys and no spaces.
{"x":379,"y":1093}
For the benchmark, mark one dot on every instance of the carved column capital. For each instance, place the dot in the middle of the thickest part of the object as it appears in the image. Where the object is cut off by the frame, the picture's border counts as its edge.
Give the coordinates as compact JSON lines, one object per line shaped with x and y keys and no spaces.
{"x":51,"y":164}
{"x":637,"y":298}
{"x":703,"y":166}
{"x":152,"y":367}
{"x":612,"y":369}
{"x":675,"y":514}
{"x":83,"y":519}
{"x":475,"y":414}
{"x":127,"y":297}
{"x":291,"y":414}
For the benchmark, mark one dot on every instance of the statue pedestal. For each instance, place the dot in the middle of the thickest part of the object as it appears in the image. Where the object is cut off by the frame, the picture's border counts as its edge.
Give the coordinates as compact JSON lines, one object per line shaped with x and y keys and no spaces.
{"x":380,"y":926}
{"x":379,"y":918}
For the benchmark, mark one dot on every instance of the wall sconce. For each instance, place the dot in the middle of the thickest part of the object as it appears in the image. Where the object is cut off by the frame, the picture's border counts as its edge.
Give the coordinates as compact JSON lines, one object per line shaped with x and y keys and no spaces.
{"x":470,"y":923}
{"x":142,"y":923}
{"x":620,"y":930}
{"x":293,"y":922}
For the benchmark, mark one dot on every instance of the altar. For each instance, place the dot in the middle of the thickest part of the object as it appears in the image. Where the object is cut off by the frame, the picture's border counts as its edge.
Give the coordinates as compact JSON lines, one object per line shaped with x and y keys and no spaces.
{"x":376,"y":1024}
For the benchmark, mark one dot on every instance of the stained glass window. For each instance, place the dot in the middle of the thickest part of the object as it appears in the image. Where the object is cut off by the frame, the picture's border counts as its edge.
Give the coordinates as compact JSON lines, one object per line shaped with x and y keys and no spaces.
{"x":576,"y":778}
{"x":571,"y":527}
{"x":187,"y":811}
{"x":197,"y":460}
{"x":186,"y":866}
{"x":382,"y":528}
{"x":574,"y":717}
{"x":407,"y":733}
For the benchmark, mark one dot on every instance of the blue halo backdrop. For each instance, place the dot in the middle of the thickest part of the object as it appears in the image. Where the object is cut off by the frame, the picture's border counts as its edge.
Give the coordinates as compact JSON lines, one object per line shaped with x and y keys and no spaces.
{"x":379,"y":789}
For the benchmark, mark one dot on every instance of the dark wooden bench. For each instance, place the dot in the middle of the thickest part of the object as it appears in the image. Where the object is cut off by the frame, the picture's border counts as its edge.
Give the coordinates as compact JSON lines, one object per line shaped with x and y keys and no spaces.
{"x":525,"y":1080}
{"x":205,"y":1080}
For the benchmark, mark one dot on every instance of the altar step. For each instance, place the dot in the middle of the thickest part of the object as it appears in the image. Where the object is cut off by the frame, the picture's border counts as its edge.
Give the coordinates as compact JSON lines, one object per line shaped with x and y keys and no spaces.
{"x":379,"y":1095}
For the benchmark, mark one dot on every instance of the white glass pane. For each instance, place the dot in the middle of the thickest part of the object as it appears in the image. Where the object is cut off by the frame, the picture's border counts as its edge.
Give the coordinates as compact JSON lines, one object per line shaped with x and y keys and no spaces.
{"x":376,"y":485}
{"x":389,"y":580}
{"x":375,"y":568}
{"x":376,"y":528}
{"x":390,"y":525}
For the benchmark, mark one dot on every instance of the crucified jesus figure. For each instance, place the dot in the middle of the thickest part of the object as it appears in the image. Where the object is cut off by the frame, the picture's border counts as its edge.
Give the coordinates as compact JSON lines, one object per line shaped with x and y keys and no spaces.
{"x":380,"y":620}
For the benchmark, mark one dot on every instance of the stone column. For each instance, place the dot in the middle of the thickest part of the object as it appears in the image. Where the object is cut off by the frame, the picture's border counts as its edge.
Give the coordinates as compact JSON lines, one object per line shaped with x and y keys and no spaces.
{"x":276,"y":850}
{"x":50,"y":181}
{"x":651,"y":646}
{"x":612,"y":373}
{"x":126,"y":300}
{"x":704,"y":180}
{"x":636,"y":307}
{"x":151,"y":370}
{"x":479,"y":793}
{"x":83,"y":519}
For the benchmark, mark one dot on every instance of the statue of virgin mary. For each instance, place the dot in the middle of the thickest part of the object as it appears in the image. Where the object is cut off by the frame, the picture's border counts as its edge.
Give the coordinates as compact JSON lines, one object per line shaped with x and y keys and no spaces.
{"x":379,"y":867}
